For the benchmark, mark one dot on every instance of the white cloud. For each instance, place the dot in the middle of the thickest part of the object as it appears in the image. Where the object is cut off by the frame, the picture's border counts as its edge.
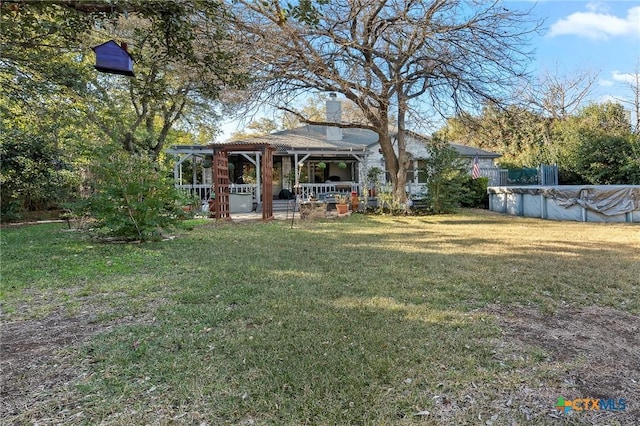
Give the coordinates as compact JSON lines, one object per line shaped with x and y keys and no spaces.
{"x":621,"y":77}
{"x":598,"y":24}
{"x":606,"y":83}
{"x":597,"y":7}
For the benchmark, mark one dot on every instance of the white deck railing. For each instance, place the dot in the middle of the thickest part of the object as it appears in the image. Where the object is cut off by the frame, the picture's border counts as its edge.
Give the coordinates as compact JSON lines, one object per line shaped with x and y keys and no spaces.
{"x":201,"y":190}
{"x":243,"y":188}
{"x":204,"y":190}
{"x":314,"y":189}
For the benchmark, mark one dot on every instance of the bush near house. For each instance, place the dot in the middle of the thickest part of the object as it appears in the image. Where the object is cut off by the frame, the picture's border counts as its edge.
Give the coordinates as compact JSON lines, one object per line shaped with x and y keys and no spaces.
{"x":447,"y":178}
{"x":476,"y":195}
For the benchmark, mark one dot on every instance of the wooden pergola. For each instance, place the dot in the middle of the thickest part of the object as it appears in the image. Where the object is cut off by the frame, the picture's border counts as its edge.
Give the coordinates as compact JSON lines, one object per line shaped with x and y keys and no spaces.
{"x":264,"y":174}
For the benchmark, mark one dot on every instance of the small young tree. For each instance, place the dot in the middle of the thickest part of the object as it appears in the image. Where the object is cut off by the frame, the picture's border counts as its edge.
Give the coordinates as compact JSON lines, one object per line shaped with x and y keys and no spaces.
{"x":133,"y":199}
{"x":446,"y":176}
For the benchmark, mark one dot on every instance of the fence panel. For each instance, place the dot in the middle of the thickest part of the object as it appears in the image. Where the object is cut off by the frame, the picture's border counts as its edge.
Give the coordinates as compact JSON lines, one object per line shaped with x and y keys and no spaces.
{"x":497,"y":177}
{"x":548,"y":175}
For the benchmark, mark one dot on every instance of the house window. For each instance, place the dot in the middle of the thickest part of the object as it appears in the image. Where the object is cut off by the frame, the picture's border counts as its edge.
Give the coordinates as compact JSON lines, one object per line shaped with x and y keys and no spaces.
{"x":421,"y":171}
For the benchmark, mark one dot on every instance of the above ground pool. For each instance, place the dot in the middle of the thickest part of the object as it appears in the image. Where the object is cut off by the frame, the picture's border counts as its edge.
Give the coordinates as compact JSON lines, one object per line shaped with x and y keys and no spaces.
{"x":582,"y":203}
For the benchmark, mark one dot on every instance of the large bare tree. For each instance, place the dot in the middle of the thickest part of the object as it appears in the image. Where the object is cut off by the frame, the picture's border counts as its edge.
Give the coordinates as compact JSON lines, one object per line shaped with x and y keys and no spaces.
{"x":403,"y":59}
{"x":631,"y":81}
{"x":558,"y":97}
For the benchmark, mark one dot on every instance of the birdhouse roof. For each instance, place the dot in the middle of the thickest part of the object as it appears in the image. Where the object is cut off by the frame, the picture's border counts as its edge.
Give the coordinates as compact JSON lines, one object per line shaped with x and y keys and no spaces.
{"x":110,"y":45}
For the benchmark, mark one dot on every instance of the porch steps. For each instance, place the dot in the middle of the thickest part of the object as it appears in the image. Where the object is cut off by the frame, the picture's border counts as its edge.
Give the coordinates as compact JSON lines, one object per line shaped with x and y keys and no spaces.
{"x":283,"y":205}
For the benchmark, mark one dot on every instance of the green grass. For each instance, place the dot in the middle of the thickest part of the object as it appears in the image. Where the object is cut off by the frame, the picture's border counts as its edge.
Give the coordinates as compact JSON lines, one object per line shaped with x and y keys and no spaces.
{"x":361,"y":321}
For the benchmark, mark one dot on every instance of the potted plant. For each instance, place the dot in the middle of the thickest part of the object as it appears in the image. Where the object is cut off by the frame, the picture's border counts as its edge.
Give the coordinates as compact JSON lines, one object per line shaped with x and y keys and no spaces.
{"x":321,"y":165}
{"x":342,"y":203}
{"x":342,"y":165}
{"x":190,"y":203}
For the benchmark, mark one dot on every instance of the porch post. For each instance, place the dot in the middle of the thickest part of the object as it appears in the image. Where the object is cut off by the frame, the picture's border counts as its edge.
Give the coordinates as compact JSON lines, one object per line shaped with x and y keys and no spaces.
{"x":194,"y":178}
{"x":258,"y":183}
{"x":286,"y":172}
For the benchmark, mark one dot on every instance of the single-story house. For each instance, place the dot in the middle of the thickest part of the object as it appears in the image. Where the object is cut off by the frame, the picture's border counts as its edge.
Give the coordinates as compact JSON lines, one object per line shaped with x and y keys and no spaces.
{"x":315,"y":159}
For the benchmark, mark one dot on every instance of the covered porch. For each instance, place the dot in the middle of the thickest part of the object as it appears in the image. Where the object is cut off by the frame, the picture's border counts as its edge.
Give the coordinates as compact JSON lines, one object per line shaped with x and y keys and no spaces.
{"x":305,"y":173}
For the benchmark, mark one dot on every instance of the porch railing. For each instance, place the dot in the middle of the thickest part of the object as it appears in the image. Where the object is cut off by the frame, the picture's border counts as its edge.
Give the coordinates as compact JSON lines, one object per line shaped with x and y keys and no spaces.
{"x":243,"y":188}
{"x":416,"y":188}
{"x":201,"y":190}
{"x":204,"y":190}
{"x":314,"y":189}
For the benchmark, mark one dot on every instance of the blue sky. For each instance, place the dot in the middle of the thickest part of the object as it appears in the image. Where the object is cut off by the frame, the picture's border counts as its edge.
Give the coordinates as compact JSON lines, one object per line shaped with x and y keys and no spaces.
{"x":600,"y":37}
{"x":597,"y":37}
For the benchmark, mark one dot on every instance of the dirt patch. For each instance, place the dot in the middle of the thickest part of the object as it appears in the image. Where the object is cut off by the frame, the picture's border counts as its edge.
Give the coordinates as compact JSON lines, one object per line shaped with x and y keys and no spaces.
{"x":40,"y":367}
{"x":590,"y":352}
{"x":36,"y":359}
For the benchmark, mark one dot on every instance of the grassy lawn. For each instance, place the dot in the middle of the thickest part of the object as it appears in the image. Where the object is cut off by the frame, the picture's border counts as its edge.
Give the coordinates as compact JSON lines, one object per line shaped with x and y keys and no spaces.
{"x":474,"y":318}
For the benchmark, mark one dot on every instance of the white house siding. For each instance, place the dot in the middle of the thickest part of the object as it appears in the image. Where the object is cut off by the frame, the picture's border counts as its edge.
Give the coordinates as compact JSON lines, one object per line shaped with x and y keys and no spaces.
{"x":418,"y":150}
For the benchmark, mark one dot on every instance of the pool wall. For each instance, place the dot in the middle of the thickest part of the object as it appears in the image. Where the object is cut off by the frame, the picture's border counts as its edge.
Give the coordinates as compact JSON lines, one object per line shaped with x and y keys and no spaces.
{"x":581,"y":203}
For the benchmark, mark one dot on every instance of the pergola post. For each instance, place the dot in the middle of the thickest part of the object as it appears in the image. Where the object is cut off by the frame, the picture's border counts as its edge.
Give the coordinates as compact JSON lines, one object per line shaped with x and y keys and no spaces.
{"x":264,"y":173}
{"x":258,"y":182}
{"x":221,"y":209}
{"x":267,"y":170}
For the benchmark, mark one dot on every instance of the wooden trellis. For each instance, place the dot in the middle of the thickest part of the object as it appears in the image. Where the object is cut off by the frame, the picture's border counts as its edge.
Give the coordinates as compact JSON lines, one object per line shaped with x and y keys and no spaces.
{"x":220,"y":171}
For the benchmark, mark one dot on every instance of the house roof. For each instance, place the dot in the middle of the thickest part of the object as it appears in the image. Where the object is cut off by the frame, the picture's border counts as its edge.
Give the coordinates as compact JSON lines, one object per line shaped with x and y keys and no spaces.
{"x":314,"y":137}
{"x":472,"y":151}
{"x":463,"y":150}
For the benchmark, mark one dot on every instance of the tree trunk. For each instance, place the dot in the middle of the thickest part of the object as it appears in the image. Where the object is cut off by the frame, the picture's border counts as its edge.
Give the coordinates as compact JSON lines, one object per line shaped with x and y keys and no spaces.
{"x":399,"y":189}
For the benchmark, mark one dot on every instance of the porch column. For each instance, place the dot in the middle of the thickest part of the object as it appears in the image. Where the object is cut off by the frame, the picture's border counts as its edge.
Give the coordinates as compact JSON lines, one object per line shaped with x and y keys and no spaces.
{"x":286,"y":172}
{"x":177,"y":168}
{"x":194,"y":177}
{"x":258,"y":182}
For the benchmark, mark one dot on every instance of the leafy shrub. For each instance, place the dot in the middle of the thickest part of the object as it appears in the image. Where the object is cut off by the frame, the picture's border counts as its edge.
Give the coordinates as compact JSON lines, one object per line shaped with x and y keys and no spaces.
{"x":33,"y":175}
{"x":477,"y":193}
{"x":447,"y":175}
{"x":610,"y":160}
{"x":132,"y":198}
{"x":386,"y":202}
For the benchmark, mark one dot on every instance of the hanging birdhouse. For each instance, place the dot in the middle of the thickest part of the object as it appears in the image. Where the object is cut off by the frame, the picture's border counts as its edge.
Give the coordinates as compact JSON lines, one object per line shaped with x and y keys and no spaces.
{"x":113,"y":58}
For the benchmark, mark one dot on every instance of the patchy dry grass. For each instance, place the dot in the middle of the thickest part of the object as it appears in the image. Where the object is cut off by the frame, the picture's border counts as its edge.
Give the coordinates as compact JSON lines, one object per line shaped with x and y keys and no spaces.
{"x":474,"y":318}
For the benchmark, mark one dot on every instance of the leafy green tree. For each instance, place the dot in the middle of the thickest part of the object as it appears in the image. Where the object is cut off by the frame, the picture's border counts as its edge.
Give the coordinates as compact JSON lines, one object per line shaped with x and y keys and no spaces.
{"x":40,"y":166}
{"x":32,"y":175}
{"x":596,"y":146}
{"x":513,"y":131}
{"x":183,"y":63}
{"x":607,"y":160}
{"x":57,"y":105}
{"x":447,"y":177}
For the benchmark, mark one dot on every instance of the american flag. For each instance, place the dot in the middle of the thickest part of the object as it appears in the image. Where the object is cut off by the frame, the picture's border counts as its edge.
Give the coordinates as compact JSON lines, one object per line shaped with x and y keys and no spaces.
{"x":475,"y":172}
